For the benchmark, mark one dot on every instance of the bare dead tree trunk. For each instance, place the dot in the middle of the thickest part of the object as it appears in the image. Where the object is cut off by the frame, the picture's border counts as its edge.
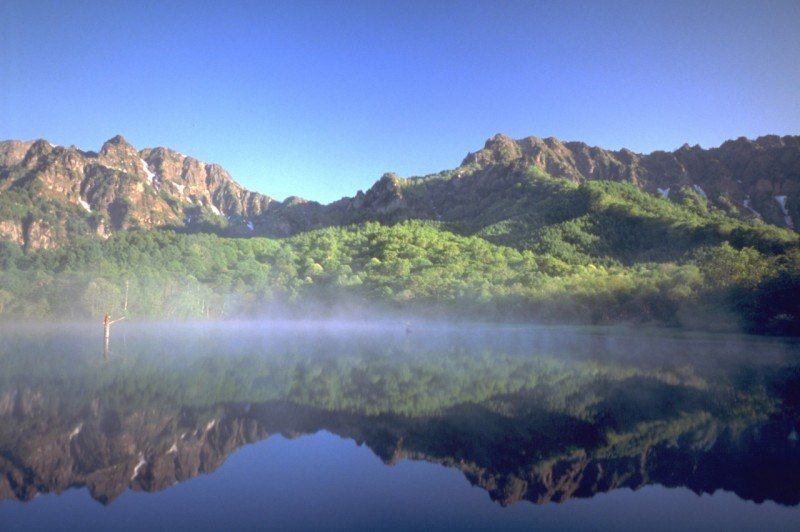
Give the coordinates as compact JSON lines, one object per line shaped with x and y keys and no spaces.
{"x":106,"y":326}
{"x":127,"y":286}
{"x":107,"y":322}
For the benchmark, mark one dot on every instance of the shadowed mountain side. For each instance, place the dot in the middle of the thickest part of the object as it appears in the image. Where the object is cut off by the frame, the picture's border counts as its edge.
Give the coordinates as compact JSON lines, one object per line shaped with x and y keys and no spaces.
{"x":753,"y":178}
{"x":50,"y":193}
{"x":539,"y":456}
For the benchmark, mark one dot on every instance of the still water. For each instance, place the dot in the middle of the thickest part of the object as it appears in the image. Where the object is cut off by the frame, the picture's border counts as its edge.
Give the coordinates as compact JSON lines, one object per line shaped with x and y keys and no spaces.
{"x":326,"y":425}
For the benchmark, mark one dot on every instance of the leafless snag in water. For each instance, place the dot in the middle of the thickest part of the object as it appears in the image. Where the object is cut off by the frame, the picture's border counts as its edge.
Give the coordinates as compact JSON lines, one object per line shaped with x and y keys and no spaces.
{"x":107,"y":322}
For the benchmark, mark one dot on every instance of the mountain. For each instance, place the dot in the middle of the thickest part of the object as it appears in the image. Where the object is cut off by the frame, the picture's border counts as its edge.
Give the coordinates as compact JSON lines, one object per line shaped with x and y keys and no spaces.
{"x":529,"y":230}
{"x":752,"y":178}
{"x":50,"y":193}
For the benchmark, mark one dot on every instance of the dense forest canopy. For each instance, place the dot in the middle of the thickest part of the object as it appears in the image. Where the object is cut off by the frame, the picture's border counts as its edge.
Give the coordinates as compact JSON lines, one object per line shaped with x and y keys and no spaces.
{"x":499,"y":241}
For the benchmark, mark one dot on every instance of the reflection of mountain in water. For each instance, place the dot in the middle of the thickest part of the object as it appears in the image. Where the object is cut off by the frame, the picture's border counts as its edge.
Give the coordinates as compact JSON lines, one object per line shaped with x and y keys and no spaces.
{"x":538,"y":428}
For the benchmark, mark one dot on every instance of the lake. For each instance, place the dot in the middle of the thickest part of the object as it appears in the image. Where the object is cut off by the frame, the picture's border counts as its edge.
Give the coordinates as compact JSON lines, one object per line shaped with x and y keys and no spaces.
{"x":341,"y":425}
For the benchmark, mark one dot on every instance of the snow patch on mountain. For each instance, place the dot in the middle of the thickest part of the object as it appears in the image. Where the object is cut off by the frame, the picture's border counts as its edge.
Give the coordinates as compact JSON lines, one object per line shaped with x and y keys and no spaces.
{"x":150,"y":175}
{"x":786,"y":217}
{"x":749,"y":206}
{"x":700,"y":191}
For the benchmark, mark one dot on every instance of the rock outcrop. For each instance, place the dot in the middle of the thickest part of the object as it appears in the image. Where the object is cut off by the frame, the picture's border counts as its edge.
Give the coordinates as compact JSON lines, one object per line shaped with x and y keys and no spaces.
{"x":51,"y":192}
{"x":743,"y":176}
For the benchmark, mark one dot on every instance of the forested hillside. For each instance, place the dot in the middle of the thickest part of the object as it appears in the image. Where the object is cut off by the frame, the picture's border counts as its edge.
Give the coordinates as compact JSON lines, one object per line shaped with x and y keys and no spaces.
{"x":497,"y":238}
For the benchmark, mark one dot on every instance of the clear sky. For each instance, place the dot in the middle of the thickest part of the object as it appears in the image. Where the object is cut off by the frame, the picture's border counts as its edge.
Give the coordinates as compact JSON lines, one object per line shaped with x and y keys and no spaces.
{"x":318,"y":99}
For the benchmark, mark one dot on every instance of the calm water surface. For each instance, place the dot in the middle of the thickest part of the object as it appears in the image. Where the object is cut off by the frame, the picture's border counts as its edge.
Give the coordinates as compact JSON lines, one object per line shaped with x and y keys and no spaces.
{"x":340,"y":426}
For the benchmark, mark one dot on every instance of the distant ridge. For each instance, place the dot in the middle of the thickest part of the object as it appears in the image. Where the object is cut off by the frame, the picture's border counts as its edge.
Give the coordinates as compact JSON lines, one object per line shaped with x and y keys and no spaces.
{"x":49,"y":193}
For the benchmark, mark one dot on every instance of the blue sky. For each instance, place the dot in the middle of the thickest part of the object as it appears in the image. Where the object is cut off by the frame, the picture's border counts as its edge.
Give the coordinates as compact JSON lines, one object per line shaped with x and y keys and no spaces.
{"x":318,"y":99}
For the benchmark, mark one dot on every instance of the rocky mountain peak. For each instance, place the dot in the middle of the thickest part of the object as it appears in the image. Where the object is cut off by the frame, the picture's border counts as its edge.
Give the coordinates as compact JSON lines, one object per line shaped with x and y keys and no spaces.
{"x":747,"y":178}
{"x":390,"y":179}
{"x":119,"y":154}
{"x":499,"y":149}
{"x":294,"y":200}
{"x":41,"y":147}
{"x":120,"y":187}
{"x":116,"y":140}
{"x":498,"y":139}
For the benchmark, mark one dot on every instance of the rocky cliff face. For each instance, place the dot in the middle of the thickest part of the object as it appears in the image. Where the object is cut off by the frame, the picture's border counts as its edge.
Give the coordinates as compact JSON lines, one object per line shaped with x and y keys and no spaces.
{"x":50,"y":192}
{"x":113,"y":189}
{"x":751,"y":178}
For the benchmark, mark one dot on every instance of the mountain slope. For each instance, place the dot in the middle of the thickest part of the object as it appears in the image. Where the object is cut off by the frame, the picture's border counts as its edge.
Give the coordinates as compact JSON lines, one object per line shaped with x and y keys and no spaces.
{"x":751,"y":178}
{"x":116,"y":188}
{"x":50,"y":193}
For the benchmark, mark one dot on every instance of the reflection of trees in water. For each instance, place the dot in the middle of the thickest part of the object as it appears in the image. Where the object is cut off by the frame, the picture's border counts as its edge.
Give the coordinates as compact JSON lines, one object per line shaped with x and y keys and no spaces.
{"x":537,"y":455}
{"x":538,"y":427}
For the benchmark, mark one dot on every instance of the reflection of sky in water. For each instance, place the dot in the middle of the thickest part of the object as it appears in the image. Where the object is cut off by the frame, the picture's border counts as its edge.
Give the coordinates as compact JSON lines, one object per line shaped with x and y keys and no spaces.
{"x":449,"y":407}
{"x":324,"y":482}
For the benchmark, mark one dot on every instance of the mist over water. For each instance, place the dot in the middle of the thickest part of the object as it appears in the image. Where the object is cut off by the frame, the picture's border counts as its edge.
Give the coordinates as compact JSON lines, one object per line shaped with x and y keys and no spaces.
{"x":242,"y":414}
